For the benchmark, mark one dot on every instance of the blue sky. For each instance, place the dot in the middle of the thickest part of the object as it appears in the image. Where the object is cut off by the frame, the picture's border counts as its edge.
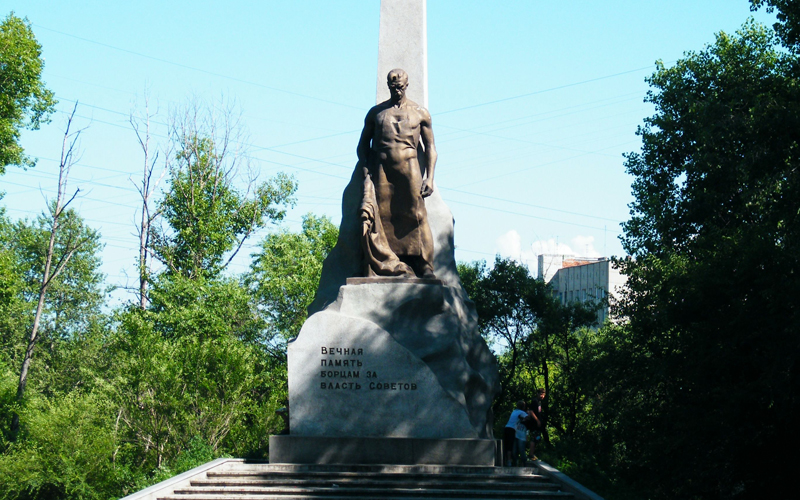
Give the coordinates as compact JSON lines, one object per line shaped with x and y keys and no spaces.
{"x":533,"y":105}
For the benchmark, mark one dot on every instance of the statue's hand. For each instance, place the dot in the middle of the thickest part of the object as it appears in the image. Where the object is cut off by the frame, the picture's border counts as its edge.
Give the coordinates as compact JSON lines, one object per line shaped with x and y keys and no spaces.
{"x":427,"y":188}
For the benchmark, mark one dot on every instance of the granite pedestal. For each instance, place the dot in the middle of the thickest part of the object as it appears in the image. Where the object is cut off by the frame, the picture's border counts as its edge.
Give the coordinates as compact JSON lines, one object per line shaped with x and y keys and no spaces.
{"x":390,"y":359}
{"x":396,"y":451}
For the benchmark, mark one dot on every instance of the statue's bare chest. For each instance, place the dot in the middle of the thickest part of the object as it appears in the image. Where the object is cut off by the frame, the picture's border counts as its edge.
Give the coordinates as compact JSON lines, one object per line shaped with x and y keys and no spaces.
{"x":399,"y":123}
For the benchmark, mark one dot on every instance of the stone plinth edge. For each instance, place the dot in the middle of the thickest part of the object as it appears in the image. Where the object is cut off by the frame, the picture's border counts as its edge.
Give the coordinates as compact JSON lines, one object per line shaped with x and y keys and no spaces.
{"x":390,"y":280}
{"x":167,"y":486}
{"x":396,"y":451}
{"x":567,"y":483}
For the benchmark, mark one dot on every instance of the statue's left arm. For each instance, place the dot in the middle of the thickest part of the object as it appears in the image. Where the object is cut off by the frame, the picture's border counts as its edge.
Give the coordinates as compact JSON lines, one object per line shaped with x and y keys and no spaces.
{"x":426,"y":134}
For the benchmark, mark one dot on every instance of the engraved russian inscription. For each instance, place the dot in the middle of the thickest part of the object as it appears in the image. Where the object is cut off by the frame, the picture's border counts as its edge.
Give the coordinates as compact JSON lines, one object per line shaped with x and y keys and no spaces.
{"x":352,"y":360}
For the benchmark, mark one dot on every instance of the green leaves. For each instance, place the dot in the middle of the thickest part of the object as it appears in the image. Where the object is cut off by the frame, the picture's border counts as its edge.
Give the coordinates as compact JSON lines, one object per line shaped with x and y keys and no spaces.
{"x":67,"y":452}
{"x":708,"y":160}
{"x":716,"y":238}
{"x":537,"y":339}
{"x":24,"y":100}
{"x":285,"y":273}
{"x":206,"y":216}
{"x":75,"y":295}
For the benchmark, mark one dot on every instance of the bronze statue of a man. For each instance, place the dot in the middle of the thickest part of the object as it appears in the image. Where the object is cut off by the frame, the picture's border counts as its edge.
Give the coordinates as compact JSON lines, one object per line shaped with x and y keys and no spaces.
{"x":396,"y":238}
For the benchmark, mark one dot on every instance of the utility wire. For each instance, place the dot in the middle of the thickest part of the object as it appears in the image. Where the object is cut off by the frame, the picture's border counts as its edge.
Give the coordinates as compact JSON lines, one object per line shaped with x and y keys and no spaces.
{"x":551,"y":89}
{"x":495,"y":209}
{"x":527,"y":204}
{"x":199,"y":70}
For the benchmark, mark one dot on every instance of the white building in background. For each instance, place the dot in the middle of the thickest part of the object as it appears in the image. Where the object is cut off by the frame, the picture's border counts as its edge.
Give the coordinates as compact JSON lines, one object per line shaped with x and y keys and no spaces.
{"x":583,"y":279}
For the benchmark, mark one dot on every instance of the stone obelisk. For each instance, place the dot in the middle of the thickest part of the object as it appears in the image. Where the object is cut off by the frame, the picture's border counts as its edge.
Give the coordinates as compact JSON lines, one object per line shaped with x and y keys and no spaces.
{"x":403,"y":43}
{"x":390,"y":371}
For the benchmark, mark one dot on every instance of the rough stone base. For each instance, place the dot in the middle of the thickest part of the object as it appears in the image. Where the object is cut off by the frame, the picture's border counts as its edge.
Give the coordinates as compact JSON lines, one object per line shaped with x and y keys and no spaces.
{"x":394,"y":451}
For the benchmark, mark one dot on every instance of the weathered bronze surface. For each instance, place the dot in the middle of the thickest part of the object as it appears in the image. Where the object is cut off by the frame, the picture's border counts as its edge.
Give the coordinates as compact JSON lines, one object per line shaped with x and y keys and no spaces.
{"x":396,"y":237}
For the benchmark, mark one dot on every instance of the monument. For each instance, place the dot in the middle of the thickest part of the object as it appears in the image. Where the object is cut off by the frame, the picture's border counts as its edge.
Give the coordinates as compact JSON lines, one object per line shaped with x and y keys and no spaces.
{"x":390,"y":367}
{"x":396,"y":238}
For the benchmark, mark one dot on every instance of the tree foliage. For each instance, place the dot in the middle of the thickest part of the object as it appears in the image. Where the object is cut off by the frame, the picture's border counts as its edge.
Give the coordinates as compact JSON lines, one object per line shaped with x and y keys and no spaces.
{"x":284,"y":276}
{"x":117,"y":402}
{"x":788,"y":15}
{"x":709,"y":371}
{"x":77,"y":292}
{"x":25,"y":102}
{"x":207,"y":216}
{"x":535,"y":336}
{"x":187,"y":371}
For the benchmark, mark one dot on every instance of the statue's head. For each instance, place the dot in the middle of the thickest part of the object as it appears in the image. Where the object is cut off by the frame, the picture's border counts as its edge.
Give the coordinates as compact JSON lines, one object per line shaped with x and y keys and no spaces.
{"x":397,"y":79}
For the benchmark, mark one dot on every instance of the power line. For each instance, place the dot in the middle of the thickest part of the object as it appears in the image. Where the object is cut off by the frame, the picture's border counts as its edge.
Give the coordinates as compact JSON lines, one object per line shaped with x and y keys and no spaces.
{"x":527,"y":215}
{"x":534,"y":115}
{"x":542,"y":165}
{"x":272,"y":148}
{"x":200,"y":70}
{"x":528,"y":204}
{"x":551,"y":89}
{"x":341,"y":166}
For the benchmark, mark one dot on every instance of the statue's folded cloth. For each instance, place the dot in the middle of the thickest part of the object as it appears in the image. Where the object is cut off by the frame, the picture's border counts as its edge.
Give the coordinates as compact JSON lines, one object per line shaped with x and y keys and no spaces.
{"x":379,"y":259}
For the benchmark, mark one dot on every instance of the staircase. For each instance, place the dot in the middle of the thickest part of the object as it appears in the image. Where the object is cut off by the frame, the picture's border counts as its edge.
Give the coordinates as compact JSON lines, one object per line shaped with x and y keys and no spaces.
{"x":233,"y":479}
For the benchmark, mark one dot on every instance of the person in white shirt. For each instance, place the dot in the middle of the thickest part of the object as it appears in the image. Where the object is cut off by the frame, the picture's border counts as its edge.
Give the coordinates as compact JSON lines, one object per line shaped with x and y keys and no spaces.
{"x":515,"y":436}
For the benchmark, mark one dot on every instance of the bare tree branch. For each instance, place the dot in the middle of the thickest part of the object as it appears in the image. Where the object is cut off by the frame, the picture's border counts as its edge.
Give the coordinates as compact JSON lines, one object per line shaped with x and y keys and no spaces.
{"x":68,"y":158}
{"x":141,"y":127}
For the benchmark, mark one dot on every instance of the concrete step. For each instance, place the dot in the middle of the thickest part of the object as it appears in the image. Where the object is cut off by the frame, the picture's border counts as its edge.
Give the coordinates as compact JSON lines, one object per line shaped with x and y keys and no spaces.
{"x":286,"y":482}
{"x":539,"y":482}
{"x":236,"y":479}
{"x":263,"y":493}
{"x":376,"y":476}
{"x":249,"y":466}
{"x":532,"y":495}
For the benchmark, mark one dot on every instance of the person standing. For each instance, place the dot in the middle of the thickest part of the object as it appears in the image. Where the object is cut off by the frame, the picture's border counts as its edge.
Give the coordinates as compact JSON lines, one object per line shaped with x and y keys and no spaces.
{"x":535,"y":411}
{"x":514,"y":434}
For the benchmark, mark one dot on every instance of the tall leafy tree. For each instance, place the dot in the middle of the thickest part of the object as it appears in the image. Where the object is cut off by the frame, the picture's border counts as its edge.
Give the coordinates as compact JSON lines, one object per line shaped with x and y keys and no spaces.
{"x":788,"y":15}
{"x":191,"y":365}
{"x":25,"y":102}
{"x":284,"y":276}
{"x":206,"y":217}
{"x":537,"y":338}
{"x":715,"y":239}
{"x":64,"y":240}
{"x":13,"y":307}
{"x":509,"y":302}
{"x":186,"y":370}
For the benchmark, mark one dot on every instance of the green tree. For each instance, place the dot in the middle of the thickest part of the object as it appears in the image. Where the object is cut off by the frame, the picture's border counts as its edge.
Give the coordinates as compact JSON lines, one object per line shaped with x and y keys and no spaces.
{"x":65,"y":444}
{"x":207,"y":218}
{"x":508,"y":301}
{"x":192,"y":372}
{"x":64,"y":240}
{"x":24,"y":100}
{"x":708,"y":380}
{"x":564,"y":335}
{"x":788,"y":25}
{"x":77,"y":292}
{"x":65,"y":451}
{"x":284,"y":276}
{"x":75,"y":295}
{"x":537,"y":338}
{"x":188,"y":368}
{"x":13,"y":308}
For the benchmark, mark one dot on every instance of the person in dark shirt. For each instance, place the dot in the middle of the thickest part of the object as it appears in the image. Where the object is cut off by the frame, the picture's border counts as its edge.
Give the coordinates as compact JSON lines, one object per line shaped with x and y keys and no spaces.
{"x":535,"y":411}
